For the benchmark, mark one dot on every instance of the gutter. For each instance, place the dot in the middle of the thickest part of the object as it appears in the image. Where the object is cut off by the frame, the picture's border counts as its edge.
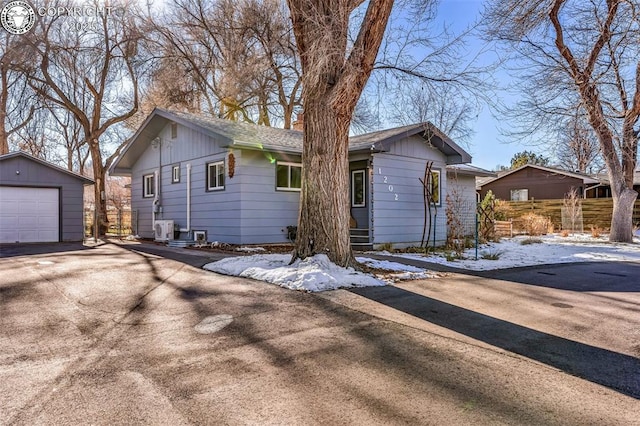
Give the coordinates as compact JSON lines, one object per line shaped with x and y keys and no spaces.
{"x":584,"y":195}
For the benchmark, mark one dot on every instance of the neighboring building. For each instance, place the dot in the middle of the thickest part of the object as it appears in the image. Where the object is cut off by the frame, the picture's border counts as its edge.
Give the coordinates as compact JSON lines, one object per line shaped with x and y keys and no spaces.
{"x":603,"y":190}
{"x":462,"y":178}
{"x":239,"y":183}
{"x":39,"y":201}
{"x":538,"y":182}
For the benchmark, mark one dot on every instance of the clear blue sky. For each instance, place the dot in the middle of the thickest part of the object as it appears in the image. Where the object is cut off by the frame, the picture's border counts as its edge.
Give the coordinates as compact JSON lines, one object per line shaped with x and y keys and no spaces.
{"x":488,"y":146}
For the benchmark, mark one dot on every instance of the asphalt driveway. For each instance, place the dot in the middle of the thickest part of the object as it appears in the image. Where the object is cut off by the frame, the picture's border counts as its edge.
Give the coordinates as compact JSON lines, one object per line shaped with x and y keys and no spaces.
{"x":108,"y":335}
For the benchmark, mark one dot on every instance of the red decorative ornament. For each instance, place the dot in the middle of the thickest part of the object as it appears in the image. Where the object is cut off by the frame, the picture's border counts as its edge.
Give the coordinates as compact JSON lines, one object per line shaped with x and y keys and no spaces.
{"x":232,"y":164}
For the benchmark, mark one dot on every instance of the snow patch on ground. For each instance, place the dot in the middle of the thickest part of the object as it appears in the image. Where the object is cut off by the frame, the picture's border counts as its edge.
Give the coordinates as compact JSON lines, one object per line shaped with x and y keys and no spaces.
{"x":317,"y":273}
{"x":552,"y":249}
{"x":251,"y":249}
{"x":399,"y":272}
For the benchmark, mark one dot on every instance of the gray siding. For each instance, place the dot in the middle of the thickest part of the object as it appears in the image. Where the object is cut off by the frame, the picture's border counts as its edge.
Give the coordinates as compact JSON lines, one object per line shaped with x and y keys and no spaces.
{"x":397,"y":194}
{"x":265,"y":211}
{"x":212,"y":211}
{"x":71,"y":191}
{"x":248,"y":211}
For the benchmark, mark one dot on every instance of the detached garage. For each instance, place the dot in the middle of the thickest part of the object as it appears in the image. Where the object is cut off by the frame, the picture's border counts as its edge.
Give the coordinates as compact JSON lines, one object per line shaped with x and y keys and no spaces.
{"x":39,"y":201}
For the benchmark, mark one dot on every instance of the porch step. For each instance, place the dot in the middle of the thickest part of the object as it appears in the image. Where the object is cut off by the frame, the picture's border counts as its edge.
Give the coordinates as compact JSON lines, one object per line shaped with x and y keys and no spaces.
{"x":180,"y":243}
{"x":360,"y":239}
{"x":362,"y":246}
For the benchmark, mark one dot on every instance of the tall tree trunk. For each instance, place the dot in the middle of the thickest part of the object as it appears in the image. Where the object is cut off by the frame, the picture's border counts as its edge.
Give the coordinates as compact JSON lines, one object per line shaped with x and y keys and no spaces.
{"x":620,"y":180}
{"x":333,"y":77}
{"x":4,"y":95}
{"x":323,"y":225}
{"x":4,"y":141}
{"x":100,"y":226}
{"x":622,"y":219}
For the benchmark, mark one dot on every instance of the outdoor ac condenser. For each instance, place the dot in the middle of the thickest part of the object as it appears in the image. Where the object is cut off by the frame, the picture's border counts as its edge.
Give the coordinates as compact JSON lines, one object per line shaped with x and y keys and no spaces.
{"x":163,"y":230}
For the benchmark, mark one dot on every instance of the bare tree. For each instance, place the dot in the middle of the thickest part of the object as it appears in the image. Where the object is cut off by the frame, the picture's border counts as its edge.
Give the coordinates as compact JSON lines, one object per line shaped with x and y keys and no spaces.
{"x":577,"y":146}
{"x":585,"y":53}
{"x":240,"y":56}
{"x":441,"y":105}
{"x":334,"y":75}
{"x":93,"y":74}
{"x":14,"y":111}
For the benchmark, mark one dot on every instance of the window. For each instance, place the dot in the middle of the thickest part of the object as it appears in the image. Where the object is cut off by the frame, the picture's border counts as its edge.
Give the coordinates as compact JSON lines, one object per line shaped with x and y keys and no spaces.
{"x":435,"y":186}
{"x":175,"y":174}
{"x":519,"y":194}
{"x":357,"y":188}
{"x":289,"y":176}
{"x":148,"y":186}
{"x":215,"y":176}
{"x":174,"y":130}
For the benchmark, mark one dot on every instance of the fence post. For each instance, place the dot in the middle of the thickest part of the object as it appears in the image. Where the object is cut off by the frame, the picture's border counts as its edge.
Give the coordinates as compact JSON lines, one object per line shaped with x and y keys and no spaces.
{"x":477,"y":215}
{"x":119,"y":218}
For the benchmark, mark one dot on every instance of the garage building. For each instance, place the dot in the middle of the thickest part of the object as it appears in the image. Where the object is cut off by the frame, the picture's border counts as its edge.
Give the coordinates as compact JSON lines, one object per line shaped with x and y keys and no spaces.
{"x":39,"y":201}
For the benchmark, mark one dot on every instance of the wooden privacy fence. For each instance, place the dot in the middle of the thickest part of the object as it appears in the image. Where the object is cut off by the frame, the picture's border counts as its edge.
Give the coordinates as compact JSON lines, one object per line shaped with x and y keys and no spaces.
{"x":596,"y":211}
{"x":120,"y":222}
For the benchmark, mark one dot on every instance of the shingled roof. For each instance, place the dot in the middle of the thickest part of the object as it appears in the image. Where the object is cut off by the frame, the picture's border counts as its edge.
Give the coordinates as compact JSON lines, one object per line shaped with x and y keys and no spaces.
{"x":245,"y":134}
{"x":252,"y":136}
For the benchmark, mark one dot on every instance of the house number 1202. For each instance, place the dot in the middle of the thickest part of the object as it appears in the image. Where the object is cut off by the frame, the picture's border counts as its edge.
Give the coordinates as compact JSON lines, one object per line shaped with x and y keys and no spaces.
{"x":385,"y":180}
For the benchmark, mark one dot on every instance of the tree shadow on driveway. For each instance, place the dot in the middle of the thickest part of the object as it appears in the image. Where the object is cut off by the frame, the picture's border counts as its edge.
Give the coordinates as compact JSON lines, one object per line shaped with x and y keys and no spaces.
{"x":25,"y":249}
{"x":616,"y":277}
{"x":611,"y":369}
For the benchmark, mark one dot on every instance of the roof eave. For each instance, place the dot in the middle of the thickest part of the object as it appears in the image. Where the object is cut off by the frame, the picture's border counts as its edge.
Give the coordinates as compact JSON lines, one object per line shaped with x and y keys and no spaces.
{"x":85,"y":180}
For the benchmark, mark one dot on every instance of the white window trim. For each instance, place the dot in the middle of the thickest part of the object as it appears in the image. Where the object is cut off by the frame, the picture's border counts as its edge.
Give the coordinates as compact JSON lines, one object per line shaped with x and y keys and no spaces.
{"x":512,"y":191}
{"x":146,"y":194}
{"x":175,"y":178}
{"x":289,"y":164}
{"x":353,"y":188}
{"x":439,"y":203}
{"x":208,"y":175}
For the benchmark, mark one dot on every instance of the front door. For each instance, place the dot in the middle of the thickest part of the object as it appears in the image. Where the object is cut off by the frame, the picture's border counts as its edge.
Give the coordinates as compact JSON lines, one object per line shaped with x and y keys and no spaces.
{"x":359,"y":201}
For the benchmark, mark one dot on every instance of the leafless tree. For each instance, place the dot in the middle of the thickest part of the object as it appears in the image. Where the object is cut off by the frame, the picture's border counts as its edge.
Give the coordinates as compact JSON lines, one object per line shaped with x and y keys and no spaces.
{"x":240,"y":55}
{"x":586,"y":53}
{"x":69,"y":134}
{"x":441,"y":105}
{"x":424,"y":73}
{"x":93,"y":74}
{"x":577,"y":146}
{"x":334,"y":75}
{"x":15,"y":113}
{"x":118,"y":196}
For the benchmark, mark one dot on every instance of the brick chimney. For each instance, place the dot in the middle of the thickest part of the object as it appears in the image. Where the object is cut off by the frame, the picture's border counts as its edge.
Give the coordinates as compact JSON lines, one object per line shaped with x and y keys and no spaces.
{"x":299,"y":123}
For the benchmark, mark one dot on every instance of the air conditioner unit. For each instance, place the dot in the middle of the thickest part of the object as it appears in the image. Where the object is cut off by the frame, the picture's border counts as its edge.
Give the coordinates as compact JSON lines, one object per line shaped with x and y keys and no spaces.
{"x":163,"y":230}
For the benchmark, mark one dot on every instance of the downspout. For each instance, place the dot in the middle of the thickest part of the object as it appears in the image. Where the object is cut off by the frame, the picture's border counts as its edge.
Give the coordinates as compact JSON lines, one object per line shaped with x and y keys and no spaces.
{"x":155,"y":209}
{"x":156,"y":201}
{"x":188,"y":228}
{"x":590,"y":188}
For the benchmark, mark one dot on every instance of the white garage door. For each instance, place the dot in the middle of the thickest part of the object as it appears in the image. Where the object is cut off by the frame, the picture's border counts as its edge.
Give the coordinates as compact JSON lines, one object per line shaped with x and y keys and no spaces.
{"x":28,"y":215}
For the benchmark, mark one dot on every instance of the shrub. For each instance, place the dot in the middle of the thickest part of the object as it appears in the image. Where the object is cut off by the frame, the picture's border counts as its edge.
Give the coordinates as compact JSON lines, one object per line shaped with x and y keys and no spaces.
{"x":491,"y":255}
{"x":452,"y":255}
{"x":502,"y":210}
{"x":535,"y":224}
{"x":469,"y":242}
{"x":386,"y":247}
{"x":454,"y":213}
{"x":530,"y":241}
{"x":487,"y":217}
